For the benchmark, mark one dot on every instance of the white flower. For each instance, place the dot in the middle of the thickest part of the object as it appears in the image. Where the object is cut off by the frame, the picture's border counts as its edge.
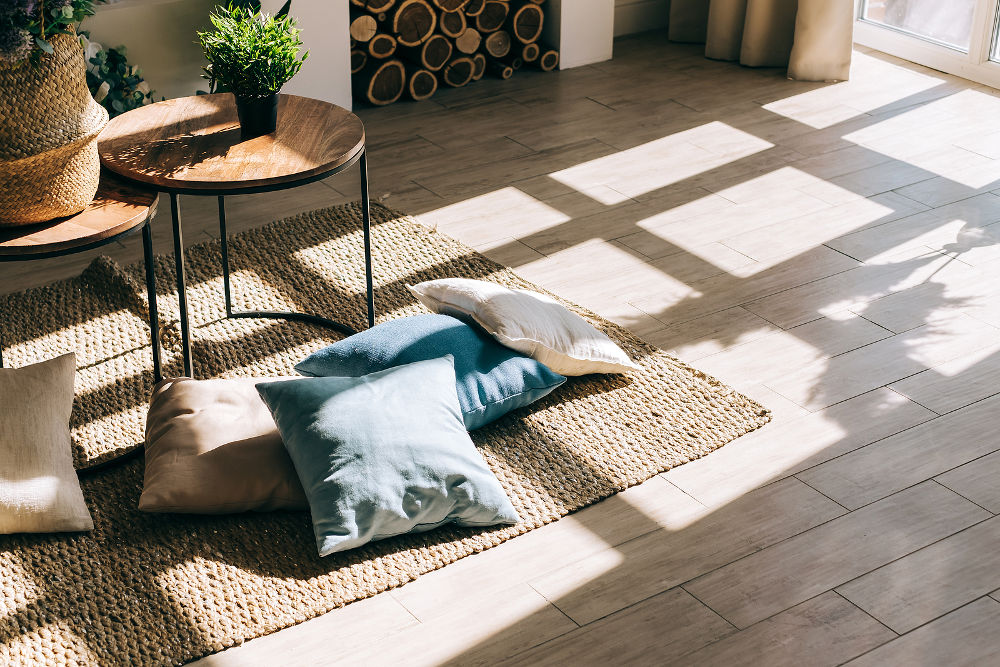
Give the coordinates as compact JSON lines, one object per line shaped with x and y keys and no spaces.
{"x":102,"y":92}
{"x":143,"y":88}
{"x":90,"y":49}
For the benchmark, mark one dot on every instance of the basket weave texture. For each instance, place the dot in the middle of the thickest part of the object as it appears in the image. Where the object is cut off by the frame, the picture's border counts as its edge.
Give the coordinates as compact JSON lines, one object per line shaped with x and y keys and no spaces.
{"x":49,"y":124}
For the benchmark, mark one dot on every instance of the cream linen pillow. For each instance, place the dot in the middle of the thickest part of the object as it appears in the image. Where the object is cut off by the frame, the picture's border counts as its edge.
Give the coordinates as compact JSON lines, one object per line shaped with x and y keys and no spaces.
{"x":212,"y":447}
{"x":529,"y":322}
{"x":39,"y":489}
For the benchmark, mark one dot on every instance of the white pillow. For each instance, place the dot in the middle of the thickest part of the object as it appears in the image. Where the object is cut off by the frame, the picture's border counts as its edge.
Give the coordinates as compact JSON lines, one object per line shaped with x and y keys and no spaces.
{"x":529,"y":322}
{"x":39,"y":489}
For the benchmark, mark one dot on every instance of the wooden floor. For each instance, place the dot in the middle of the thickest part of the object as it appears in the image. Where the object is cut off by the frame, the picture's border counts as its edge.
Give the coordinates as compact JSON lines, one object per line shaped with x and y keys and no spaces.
{"x":831,"y":250}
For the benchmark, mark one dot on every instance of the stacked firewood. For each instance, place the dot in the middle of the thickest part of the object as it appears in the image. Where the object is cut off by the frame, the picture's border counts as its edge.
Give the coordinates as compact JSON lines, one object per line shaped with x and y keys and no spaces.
{"x":410,"y":47}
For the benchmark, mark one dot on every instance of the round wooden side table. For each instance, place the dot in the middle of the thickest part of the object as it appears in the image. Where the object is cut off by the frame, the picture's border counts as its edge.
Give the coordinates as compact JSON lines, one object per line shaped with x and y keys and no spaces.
{"x":119,"y":210}
{"x":192,"y":146}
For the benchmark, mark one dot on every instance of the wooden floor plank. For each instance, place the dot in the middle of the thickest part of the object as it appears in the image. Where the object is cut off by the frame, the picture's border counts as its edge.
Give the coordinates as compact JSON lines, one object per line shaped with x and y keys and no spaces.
{"x":787,"y":447}
{"x":658,"y":630}
{"x":977,"y":481}
{"x":933,"y":581}
{"x":615,"y":578}
{"x":824,"y":383}
{"x":679,"y":303}
{"x":491,"y":628}
{"x":967,"y":636}
{"x":953,"y":384}
{"x":826,"y":630}
{"x":651,"y":506}
{"x":854,"y":289}
{"x":780,"y":353}
{"x":803,"y":232}
{"x":781,"y":576}
{"x":711,"y":334}
{"x":937,"y":227}
{"x":880,"y":469}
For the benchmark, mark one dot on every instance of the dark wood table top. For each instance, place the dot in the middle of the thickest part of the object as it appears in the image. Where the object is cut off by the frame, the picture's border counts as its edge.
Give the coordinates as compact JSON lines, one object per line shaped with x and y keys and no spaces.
{"x":119,"y":207}
{"x":192,"y":145}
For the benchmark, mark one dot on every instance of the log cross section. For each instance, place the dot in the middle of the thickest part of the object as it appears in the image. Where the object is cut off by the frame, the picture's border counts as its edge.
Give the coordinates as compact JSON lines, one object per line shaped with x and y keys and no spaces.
{"x":410,"y":49}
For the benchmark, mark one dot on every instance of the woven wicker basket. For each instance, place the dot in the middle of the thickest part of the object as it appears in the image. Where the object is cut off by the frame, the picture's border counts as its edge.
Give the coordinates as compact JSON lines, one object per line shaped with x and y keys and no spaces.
{"x":48,"y":137}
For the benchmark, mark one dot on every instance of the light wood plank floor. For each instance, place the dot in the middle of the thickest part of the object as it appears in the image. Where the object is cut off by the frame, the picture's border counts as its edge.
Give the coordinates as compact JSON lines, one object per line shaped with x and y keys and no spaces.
{"x":831,"y":250}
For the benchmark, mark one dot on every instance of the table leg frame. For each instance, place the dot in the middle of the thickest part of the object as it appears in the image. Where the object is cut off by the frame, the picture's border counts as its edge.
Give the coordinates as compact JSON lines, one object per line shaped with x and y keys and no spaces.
{"x":175,"y":218}
{"x":154,"y":315}
{"x":154,"y":320}
{"x":366,"y":218}
{"x":227,"y":278}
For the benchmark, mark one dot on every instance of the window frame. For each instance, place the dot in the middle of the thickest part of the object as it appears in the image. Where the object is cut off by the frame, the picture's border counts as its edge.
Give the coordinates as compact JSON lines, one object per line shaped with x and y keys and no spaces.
{"x":974,"y":65}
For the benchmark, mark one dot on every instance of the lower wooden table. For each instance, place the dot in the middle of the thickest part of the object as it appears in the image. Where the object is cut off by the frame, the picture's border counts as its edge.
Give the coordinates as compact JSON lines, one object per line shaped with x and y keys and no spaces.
{"x":193,"y":146}
{"x":119,"y":210}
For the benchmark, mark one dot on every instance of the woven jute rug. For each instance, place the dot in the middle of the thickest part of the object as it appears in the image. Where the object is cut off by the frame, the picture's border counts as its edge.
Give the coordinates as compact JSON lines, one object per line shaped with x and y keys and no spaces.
{"x":165,"y":589}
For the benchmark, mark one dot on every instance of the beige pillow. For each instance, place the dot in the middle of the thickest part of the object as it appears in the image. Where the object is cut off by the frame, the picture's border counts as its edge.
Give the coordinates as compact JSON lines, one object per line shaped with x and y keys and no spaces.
{"x":212,"y":448}
{"x":39,"y":489}
{"x":529,"y":322}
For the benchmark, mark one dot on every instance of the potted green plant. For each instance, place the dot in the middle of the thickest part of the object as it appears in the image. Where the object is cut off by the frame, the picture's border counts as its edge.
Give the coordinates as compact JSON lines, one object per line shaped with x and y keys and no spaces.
{"x":252,"y":55}
{"x":49,"y":122}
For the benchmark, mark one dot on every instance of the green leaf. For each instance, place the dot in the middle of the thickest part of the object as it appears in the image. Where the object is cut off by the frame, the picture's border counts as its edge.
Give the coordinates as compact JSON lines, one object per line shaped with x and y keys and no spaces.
{"x":43,"y":45}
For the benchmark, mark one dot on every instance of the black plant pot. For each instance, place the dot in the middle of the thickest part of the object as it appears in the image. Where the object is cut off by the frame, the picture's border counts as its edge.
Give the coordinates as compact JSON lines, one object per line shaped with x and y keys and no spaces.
{"x":258,"y":115}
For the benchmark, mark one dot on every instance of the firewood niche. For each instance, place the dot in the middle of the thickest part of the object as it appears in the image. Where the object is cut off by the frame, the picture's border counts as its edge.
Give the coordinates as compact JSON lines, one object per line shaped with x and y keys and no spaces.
{"x":410,"y":47}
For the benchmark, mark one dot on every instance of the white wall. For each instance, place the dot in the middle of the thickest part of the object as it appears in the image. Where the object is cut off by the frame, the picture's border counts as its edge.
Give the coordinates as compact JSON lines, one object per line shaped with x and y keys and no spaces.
{"x":160,"y":36}
{"x":582,"y":29}
{"x":325,"y":25}
{"x":633,"y":16}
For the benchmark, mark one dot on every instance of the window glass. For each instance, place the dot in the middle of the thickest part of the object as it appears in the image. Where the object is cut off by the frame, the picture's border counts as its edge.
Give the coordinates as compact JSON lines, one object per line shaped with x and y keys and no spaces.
{"x":945,"y":21}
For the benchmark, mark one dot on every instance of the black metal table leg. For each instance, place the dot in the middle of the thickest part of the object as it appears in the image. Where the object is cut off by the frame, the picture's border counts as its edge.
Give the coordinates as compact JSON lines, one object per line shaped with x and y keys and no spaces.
{"x":225,"y":255}
{"x":366,"y":215}
{"x":175,"y":215}
{"x":154,"y":318}
{"x":303,"y":317}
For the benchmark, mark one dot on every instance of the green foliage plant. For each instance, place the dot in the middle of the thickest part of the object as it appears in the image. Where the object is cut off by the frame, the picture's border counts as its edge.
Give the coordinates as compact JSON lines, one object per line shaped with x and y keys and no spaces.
{"x":250,"y":53}
{"x":116,"y":85}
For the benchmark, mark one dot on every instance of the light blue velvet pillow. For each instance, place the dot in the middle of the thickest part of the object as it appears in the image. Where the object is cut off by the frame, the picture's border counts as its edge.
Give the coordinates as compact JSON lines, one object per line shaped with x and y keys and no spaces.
{"x":384,"y":454}
{"x":492,"y":379}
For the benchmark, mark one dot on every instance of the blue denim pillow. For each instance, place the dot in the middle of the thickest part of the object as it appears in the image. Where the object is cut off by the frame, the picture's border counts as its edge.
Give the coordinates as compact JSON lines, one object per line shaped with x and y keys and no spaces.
{"x":384,"y":454}
{"x":491,"y":379}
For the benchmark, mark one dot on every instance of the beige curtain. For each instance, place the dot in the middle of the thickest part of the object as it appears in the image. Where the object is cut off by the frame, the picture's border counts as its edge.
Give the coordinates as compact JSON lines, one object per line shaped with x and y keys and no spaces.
{"x":811,"y":37}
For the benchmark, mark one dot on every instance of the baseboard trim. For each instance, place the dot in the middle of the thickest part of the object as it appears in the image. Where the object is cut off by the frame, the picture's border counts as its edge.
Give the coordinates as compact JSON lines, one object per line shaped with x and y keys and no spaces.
{"x":632,"y":16}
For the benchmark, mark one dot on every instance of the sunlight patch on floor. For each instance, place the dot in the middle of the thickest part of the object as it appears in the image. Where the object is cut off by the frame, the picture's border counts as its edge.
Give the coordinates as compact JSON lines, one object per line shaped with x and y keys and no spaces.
{"x":802,"y":210}
{"x":874,"y":83}
{"x":657,"y":164}
{"x":85,"y":338}
{"x":780,"y":240}
{"x":481,"y":220}
{"x":16,"y":598}
{"x":251,"y":291}
{"x":955,"y":236}
{"x":916,"y":267}
{"x":597,"y":270}
{"x":931,"y":135}
{"x":59,"y":635}
{"x":779,"y":181}
{"x":781,"y":448}
{"x":933,"y":344}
